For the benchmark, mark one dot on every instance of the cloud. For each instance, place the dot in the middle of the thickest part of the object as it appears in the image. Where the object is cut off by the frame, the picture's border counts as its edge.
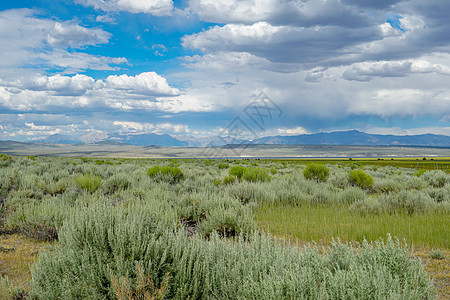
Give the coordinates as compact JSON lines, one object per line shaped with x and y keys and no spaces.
{"x":148,"y":83}
{"x":366,"y":71}
{"x":410,"y":131}
{"x":236,"y":61}
{"x":284,"y":12}
{"x":402,"y":102}
{"x":292,"y":131}
{"x":74,"y":36}
{"x":282,"y":44}
{"x":144,"y":127}
{"x":145,"y":91}
{"x":153,"y":7}
{"x":32,"y":42}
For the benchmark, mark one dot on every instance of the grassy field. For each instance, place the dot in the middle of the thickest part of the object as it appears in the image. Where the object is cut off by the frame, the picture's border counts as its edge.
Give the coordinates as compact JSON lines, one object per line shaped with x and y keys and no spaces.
{"x":234,"y":229}
{"x":324,"y":223}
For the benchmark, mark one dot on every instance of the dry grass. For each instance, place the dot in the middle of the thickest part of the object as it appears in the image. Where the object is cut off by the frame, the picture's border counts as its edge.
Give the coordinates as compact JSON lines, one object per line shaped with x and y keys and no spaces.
{"x":438,"y":269}
{"x":17,"y":254}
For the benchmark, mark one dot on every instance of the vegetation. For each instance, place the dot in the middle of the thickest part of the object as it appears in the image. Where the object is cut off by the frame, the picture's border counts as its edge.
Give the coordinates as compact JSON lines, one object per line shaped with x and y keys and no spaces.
{"x":177,"y":229}
{"x":317,"y":172}
{"x":360,"y":178}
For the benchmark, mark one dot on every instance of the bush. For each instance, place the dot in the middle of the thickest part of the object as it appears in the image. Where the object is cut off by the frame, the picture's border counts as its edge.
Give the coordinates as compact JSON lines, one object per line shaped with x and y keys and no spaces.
{"x":436,"y":254}
{"x":237,"y":171}
{"x":256,"y":175}
{"x":223,"y":166}
{"x":360,"y":178}
{"x":436,"y":179}
{"x":98,"y":246}
{"x":89,"y":182}
{"x":166,"y":174}
{"x":318,"y":172}
{"x":117,"y":182}
{"x":228,"y":180}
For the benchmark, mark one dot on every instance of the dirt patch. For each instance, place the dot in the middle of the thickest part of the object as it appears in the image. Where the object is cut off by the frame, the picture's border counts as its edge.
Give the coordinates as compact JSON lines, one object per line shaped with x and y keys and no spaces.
{"x":15,"y":262}
{"x":438,"y":269}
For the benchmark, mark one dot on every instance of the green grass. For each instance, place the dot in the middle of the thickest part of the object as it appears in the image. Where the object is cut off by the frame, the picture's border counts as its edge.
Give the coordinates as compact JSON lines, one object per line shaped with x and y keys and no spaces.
{"x":323,"y":223}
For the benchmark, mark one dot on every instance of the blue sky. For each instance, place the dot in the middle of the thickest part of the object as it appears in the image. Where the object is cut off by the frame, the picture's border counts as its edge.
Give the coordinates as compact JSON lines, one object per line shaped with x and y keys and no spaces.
{"x":95,"y":68}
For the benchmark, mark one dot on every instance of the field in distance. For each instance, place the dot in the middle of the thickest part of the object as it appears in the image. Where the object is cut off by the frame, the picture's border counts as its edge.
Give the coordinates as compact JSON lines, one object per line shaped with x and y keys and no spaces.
{"x":197,"y":226}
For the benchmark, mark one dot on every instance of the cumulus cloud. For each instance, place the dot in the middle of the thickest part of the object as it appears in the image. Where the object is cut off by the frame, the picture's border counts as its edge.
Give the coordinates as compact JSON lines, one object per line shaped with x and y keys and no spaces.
{"x":236,"y":61}
{"x":144,"y":127}
{"x":75,"y":36}
{"x":284,"y":12}
{"x":366,"y":71}
{"x":283,"y":44}
{"x":148,"y":83}
{"x":153,"y":7}
{"x":292,"y":131}
{"x":145,"y":91}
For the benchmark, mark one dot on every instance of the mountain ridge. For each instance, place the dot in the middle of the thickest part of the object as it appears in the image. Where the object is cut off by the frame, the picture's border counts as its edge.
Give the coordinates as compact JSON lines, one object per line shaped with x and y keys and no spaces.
{"x":350,"y":137}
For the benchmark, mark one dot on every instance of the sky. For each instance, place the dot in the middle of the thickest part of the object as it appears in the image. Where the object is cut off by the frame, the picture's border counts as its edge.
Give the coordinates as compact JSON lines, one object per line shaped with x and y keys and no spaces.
{"x":95,"y":68}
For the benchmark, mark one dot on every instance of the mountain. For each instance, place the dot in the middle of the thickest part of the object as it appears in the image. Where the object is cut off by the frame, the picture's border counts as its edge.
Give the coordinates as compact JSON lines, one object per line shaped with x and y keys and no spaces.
{"x":148,"y":139}
{"x":59,"y":139}
{"x":355,"y":137}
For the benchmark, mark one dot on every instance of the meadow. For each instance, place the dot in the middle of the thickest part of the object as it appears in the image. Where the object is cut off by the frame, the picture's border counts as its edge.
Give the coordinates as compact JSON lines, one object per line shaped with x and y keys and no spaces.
{"x":116,"y":228}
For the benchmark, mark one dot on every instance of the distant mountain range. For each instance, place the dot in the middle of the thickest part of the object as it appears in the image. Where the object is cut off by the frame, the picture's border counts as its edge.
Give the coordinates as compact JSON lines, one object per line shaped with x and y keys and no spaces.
{"x":352,"y":137}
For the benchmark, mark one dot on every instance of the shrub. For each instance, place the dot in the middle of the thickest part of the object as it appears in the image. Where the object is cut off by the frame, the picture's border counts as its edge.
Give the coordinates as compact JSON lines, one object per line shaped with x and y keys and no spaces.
{"x":237,"y":171}
{"x":256,"y":175}
{"x":228,"y":180}
{"x":436,"y":179}
{"x":223,"y":166}
{"x":117,"y":182}
{"x":216,"y":182}
{"x":436,"y":254}
{"x":89,"y":182}
{"x":166,"y":174}
{"x":99,"y":246}
{"x":318,"y":172}
{"x":360,"y":178}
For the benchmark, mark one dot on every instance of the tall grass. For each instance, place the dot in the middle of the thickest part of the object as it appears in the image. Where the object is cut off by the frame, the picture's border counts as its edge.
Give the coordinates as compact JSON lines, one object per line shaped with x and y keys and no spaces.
{"x":323,"y":223}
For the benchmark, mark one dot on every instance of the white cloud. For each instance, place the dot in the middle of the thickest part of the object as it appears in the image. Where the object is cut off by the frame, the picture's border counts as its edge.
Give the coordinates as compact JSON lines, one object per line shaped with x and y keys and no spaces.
{"x":292,"y":131}
{"x":154,"y":7}
{"x":143,"y":127}
{"x":231,"y":11}
{"x":402,"y":102}
{"x":32,"y":42}
{"x":74,"y":36}
{"x":366,"y":71}
{"x":236,"y":61}
{"x":148,"y":83}
{"x":403,"y":131}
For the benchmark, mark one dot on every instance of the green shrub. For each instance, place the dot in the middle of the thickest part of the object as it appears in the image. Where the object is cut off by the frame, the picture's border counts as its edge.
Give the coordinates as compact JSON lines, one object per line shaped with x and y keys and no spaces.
{"x":436,"y":254}
{"x":360,"y":178}
{"x":255,"y":174}
{"x":317,"y":172}
{"x":223,"y":166}
{"x":116,"y":183}
{"x":216,"y":182}
{"x":99,"y":245}
{"x":228,"y":180}
{"x":436,"y":179}
{"x":166,"y":174}
{"x":89,"y":182}
{"x":237,"y":171}
{"x":273,"y":170}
